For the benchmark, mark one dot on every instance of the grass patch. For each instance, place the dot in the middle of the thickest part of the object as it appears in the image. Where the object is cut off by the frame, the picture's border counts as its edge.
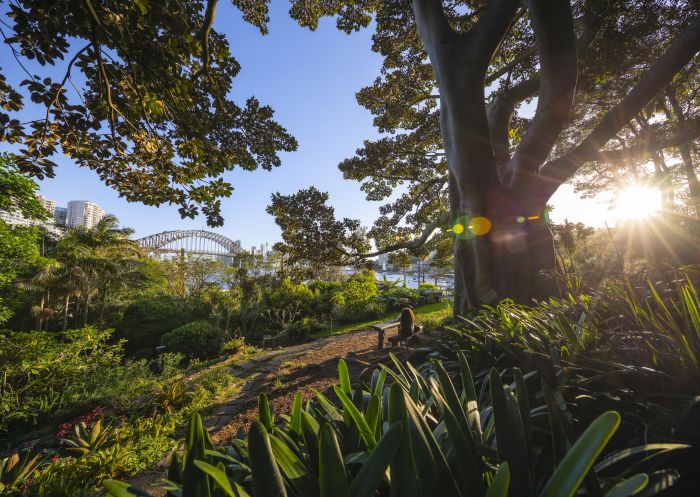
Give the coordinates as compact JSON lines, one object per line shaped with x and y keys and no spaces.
{"x":444,"y":306}
{"x":437,"y":310}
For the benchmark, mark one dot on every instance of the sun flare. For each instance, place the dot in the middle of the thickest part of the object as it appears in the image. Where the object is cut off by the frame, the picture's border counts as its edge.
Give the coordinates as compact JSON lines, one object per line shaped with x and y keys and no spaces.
{"x":637,"y":202}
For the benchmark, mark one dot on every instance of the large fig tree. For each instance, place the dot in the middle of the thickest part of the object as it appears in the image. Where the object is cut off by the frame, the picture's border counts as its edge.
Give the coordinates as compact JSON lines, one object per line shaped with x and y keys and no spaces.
{"x":458,"y":162}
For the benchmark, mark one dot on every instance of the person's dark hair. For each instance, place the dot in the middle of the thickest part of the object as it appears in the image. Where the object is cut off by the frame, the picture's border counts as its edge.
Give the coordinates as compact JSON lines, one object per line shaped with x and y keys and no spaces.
{"x":407,"y":321}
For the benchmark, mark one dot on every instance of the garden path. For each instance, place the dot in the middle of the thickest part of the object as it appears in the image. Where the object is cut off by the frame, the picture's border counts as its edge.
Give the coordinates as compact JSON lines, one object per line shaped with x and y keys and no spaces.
{"x":309,"y":368}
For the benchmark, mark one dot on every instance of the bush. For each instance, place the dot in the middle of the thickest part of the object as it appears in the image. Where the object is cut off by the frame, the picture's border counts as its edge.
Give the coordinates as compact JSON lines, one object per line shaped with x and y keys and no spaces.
{"x":146,"y":321}
{"x":359,"y":291}
{"x":508,"y":448}
{"x":45,"y":373}
{"x":373,"y":310}
{"x":302,"y":329}
{"x":398,"y":297}
{"x":429,"y":293}
{"x":200,"y":340}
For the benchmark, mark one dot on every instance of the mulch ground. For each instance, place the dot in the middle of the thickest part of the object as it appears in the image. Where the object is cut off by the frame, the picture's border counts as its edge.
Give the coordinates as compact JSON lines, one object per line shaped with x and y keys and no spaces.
{"x":308,"y":372}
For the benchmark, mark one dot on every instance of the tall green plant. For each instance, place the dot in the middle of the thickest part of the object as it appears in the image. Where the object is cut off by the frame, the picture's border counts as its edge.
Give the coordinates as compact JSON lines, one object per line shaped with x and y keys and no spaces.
{"x":418,"y":436}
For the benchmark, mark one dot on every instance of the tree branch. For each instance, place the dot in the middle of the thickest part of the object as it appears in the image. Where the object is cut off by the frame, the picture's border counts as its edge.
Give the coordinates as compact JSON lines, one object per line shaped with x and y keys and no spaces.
{"x":410,"y":244}
{"x":500,"y":109}
{"x":206,"y":29}
{"x":491,"y":28}
{"x":553,"y":25}
{"x":431,"y":21}
{"x":526,"y":54}
{"x":654,"y":144}
{"x":679,"y":53}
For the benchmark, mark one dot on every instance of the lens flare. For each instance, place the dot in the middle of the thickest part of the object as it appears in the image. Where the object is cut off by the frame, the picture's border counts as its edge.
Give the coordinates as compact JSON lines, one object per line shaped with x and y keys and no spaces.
{"x":458,"y":228}
{"x":480,"y":225}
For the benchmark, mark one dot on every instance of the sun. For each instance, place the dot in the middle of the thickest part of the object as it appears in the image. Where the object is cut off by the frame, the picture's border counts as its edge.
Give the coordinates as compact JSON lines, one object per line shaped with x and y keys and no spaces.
{"x":637,"y":202}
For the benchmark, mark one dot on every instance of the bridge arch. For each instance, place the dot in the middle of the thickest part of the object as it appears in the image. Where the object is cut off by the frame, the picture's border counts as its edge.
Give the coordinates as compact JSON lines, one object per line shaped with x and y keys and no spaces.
{"x":191,"y":241}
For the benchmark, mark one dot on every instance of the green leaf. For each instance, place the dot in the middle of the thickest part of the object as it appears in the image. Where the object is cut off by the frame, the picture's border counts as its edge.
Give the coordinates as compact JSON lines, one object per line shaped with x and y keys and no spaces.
{"x":618,"y":456}
{"x":467,"y":379}
{"x":510,"y":436}
{"x":557,"y":423}
{"x":295,"y":423}
{"x":195,"y":483}
{"x":293,"y":467}
{"x":373,"y":416}
{"x":404,"y":482}
{"x":218,"y":475}
{"x":265,"y":412}
{"x":473,"y":415}
{"x":344,"y":377}
{"x":570,"y":473}
{"x":500,"y":483}
{"x":310,"y":429}
{"x":373,"y":470}
{"x":630,"y":486}
{"x":378,"y":388}
{"x":366,"y":432}
{"x":121,"y":489}
{"x":328,"y":406}
{"x":466,"y":462}
{"x":332,"y":477}
{"x":267,"y":479}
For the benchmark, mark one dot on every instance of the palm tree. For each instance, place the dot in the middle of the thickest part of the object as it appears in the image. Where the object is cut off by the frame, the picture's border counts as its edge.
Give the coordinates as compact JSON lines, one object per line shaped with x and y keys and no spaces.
{"x":86,"y":261}
{"x":55,"y":280}
{"x":99,"y":251}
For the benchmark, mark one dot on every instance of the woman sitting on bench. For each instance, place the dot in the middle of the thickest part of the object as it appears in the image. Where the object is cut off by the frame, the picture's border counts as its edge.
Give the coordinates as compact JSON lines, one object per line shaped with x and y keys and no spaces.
{"x":407,"y":326}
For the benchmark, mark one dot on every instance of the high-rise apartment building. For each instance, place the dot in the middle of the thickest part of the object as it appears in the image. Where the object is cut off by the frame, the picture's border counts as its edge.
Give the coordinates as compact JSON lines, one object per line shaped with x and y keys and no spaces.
{"x":49,"y":205}
{"x":60,"y":215}
{"x":83,"y":213}
{"x":15,"y":217}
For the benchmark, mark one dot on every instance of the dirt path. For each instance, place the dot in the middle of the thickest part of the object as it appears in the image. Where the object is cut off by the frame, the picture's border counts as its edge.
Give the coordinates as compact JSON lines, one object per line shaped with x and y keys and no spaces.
{"x":310,"y":367}
{"x":307,"y":368}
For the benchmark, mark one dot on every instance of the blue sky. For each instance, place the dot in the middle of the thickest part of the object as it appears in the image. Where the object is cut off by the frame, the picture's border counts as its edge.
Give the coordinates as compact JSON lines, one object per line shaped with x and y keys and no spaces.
{"x":310,"y":79}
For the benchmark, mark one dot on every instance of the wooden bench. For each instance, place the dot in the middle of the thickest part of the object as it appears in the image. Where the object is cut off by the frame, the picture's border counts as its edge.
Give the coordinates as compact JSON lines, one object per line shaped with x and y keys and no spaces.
{"x":382,"y":328}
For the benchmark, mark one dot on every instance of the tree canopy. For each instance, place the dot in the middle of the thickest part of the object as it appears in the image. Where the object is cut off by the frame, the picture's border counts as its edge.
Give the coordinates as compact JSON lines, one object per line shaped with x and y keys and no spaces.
{"x":143,"y":98}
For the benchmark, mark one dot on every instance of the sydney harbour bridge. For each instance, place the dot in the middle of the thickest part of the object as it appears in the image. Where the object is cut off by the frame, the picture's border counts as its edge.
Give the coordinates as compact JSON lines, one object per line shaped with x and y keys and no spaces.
{"x":198,"y":242}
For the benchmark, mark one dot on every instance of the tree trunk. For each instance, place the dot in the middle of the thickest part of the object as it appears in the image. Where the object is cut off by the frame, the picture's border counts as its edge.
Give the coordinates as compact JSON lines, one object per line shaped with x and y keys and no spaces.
{"x":103,"y":302}
{"x":502,"y":242}
{"x":86,"y":307}
{"x":65,"y":312}
{"x":40,"y":315}
{"x":663,"y":180}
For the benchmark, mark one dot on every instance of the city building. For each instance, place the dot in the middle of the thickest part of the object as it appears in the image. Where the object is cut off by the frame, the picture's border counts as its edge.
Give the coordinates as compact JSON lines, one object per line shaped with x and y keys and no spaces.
{"x":15,"y":218}
{"x":83,"y":213}
{"x":49,"y":205}
{"x":78,"y":213}
{"x":60,"y":215}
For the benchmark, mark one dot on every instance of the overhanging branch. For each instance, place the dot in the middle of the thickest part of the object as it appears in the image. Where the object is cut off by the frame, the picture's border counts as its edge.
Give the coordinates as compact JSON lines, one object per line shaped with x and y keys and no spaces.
{"x":681,"y":51}
{"x":409,"y":244}
{"x":654,"y":144}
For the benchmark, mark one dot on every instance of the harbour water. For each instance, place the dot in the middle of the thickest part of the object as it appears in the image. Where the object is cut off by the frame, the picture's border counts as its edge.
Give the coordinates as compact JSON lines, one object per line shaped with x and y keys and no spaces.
{"x":412,"y":279}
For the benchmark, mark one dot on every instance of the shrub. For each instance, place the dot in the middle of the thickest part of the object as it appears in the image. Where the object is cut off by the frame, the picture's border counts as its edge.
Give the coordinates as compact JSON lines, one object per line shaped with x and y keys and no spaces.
{"x":398,"y":297}
{"x":200,"y":339}
{"x":434,"y":432}
{"x":44,"y":372}
{"x":146,"y":321}
{"x":359,"y":291}
{"x":429,"y":293}
{"x":289,"y":294}
{"x":302,"y":329}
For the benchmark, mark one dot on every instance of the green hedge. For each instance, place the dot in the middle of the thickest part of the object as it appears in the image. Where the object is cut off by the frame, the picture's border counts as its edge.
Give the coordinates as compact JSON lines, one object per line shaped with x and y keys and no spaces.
{"x":199,"y":339}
